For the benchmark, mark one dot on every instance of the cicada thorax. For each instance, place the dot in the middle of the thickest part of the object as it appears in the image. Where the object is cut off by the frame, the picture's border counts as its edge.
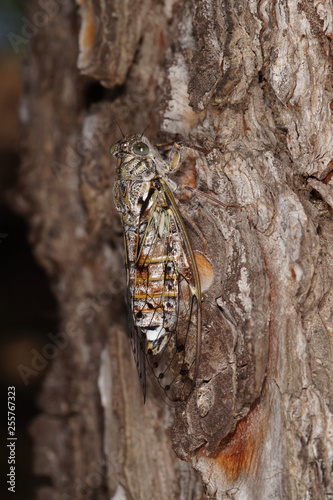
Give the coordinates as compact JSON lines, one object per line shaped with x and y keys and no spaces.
{"x":163,"y":285}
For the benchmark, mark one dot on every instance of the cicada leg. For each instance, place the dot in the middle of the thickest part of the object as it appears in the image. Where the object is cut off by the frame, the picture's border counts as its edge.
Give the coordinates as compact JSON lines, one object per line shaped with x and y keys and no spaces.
{"x":194,"y":227}
{"x":191,"y":222}
{"x":210,"y":197}
{"x":175,"y":162}
{"x":175,"y":155}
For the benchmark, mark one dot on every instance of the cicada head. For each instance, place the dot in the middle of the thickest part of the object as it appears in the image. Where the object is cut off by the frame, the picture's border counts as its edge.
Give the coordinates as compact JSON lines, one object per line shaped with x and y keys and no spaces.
{"x":136,"y":158}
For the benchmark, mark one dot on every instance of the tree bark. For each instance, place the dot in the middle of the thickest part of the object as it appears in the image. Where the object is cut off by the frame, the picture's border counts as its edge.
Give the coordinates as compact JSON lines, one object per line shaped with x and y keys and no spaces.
{"x":247,"y":88}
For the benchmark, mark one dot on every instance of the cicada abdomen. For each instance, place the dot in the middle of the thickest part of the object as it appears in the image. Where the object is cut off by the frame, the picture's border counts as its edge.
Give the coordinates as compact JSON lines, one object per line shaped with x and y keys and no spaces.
{"x":163,"y":289}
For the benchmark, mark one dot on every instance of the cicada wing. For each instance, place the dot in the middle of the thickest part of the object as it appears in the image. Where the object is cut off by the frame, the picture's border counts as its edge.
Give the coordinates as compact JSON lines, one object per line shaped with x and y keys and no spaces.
{"x":174,"y":367}
{"x":137,"y":337}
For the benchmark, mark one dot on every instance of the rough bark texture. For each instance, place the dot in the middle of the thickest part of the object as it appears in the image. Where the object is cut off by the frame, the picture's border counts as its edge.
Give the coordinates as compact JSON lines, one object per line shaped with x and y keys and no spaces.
{"x":250,"y":83}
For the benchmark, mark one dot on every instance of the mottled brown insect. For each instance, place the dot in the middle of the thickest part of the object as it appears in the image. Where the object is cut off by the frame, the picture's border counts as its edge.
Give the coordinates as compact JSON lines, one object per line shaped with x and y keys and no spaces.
{"x":163,"y":289}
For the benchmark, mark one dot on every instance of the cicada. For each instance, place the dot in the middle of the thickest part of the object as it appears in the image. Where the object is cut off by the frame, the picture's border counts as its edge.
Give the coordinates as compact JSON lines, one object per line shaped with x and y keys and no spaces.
{"x":163,"y":288}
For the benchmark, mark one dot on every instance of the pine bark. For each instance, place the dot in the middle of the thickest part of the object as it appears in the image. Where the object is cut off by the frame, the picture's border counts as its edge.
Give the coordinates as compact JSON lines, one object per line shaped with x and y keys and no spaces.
{"x":247,"y":88}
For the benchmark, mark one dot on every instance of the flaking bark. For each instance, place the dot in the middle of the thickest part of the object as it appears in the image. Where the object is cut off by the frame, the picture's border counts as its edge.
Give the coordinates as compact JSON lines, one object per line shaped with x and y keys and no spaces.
{"x":247,"y":88}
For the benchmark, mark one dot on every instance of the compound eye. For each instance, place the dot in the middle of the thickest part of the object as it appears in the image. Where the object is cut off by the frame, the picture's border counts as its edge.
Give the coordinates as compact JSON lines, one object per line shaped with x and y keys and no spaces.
{"x":140,"y":148}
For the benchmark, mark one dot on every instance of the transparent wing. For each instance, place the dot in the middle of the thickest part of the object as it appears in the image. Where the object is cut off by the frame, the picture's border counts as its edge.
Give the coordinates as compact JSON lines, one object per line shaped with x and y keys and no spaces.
{"x":166,"y":301}
{"x":136,"y":338}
